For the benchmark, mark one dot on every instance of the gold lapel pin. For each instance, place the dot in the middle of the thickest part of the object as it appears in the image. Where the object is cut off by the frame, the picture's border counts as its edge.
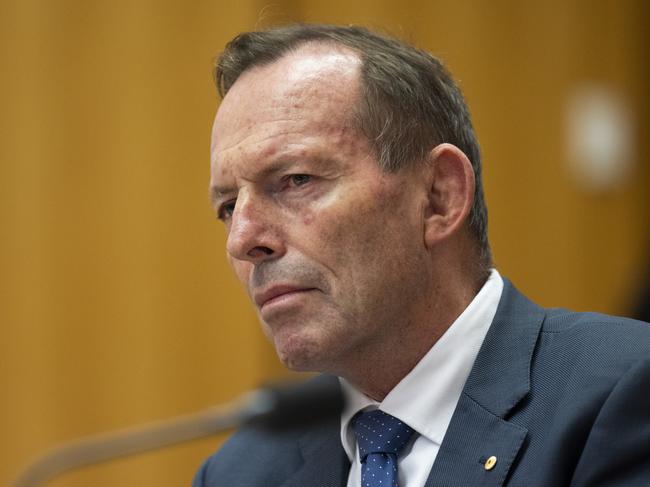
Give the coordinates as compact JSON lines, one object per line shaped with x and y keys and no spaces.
{"x":490,"y":463}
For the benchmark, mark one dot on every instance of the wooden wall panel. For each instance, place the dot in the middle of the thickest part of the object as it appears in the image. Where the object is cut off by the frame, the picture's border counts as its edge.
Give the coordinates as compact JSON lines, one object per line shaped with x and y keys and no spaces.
{"x":116,"y":303}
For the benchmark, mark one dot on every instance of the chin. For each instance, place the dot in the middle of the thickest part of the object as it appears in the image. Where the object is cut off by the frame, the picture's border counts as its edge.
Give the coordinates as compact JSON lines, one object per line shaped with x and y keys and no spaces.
{"x":300,"y":354}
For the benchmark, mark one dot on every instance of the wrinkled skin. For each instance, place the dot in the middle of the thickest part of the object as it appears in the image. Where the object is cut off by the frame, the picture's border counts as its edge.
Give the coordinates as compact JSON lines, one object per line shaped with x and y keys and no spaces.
{"x":312,"y":220}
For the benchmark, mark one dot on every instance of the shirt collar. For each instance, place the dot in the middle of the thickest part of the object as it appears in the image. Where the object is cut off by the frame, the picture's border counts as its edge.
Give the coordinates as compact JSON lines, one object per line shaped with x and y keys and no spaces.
{"x":438,"y":378}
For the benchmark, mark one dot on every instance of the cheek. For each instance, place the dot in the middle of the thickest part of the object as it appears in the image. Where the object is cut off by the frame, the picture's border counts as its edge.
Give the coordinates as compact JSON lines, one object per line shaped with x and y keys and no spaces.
{"x":373,"y":221}
{"x":242,"y":270}
{"x":355,"y":241}
{"x":376,"y":241}
{"x":362,"y":234}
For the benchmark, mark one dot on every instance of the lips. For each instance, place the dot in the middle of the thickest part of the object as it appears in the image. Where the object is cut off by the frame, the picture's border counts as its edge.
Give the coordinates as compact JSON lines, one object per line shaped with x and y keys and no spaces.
{"x":268,"y":295}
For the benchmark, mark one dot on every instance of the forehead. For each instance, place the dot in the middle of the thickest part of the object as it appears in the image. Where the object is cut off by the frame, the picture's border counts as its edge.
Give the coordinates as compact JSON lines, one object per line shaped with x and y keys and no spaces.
{"x":313,"y":88}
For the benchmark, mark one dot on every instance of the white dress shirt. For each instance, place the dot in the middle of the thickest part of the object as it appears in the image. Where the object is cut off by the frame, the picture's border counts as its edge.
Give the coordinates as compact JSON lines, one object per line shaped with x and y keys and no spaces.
{"x":426,"y":398}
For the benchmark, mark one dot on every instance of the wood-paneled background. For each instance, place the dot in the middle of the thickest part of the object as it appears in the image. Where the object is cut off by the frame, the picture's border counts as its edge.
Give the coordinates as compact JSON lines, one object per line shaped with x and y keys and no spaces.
{"x":116,"y":303}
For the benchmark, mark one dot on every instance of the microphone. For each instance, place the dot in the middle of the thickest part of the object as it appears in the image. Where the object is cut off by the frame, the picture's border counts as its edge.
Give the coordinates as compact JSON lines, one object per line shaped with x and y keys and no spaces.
{"x":275,"y":408}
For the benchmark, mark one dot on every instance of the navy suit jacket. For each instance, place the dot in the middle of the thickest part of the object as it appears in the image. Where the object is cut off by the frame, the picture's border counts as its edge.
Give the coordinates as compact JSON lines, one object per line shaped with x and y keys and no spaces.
{"x":560,"y":398}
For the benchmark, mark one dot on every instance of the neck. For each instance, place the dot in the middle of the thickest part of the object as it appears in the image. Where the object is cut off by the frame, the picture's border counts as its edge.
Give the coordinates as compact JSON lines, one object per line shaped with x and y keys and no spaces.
{"x":412,"y":339}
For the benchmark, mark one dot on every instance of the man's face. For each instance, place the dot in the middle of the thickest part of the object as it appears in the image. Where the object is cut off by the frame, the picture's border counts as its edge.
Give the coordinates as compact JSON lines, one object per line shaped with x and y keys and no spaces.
{"x":329,"y":247}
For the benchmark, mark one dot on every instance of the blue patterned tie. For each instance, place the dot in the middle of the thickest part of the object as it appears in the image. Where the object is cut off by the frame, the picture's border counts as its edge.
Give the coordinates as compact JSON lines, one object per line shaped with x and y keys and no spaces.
{"x":380,"y":437}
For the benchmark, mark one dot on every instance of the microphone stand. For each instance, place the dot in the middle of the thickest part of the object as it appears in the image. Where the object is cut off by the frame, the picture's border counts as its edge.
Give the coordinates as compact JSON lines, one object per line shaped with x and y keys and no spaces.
{"x":273,"y":408}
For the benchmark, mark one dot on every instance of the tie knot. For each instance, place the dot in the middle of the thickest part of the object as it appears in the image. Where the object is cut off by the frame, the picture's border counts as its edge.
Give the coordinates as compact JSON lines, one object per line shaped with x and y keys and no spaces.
{"x":379,"y":432}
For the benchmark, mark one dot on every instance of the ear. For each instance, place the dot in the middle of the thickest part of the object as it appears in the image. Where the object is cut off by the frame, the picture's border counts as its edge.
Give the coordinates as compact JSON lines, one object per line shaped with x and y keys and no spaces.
{"x":451,"y":193}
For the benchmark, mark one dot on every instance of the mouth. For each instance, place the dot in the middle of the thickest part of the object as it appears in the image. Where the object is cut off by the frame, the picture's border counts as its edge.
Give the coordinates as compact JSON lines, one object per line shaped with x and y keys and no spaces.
{"x":277,"y":294}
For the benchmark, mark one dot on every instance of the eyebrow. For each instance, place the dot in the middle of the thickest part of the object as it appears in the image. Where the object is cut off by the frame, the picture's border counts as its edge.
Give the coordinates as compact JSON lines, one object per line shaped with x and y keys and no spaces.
{"x":218,"y":191}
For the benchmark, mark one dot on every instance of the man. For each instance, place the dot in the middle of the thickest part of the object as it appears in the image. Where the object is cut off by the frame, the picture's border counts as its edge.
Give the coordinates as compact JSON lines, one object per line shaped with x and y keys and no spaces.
{"x":346,"y":171}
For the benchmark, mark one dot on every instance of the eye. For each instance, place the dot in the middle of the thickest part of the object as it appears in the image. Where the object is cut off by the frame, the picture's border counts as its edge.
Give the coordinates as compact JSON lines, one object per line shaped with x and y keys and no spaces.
{"x":298,"y":179}
{"x":226,"y":210}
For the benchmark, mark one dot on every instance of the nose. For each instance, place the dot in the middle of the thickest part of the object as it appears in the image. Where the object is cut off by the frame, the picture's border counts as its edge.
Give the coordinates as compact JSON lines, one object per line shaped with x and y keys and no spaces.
{"x":253,"y":235}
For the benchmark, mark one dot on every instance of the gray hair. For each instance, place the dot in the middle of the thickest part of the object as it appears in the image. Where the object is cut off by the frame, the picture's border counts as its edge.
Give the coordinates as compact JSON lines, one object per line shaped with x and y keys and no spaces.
{"x":409,"y":103}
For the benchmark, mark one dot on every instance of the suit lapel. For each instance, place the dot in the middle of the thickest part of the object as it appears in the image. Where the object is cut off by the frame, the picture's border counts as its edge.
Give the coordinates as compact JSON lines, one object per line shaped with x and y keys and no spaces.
{"x":325,"y":462}
{"x":499,"y":380}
